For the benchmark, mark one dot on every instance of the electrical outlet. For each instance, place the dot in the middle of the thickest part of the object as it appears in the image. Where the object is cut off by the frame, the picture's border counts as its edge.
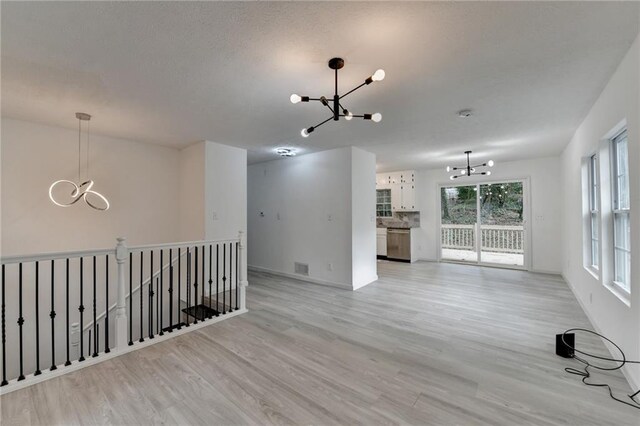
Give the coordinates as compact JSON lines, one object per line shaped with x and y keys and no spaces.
{"x":590,"y":297}
{"x":329,"y":266}
{"x":214,"y":215}
{"x":278,"y":216}
{"x":329,"y":217}
{"x":261,"y":214}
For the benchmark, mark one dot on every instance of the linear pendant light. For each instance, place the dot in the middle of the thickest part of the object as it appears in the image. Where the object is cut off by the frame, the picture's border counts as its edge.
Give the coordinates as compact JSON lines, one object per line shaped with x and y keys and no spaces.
{"x":81,"y":190}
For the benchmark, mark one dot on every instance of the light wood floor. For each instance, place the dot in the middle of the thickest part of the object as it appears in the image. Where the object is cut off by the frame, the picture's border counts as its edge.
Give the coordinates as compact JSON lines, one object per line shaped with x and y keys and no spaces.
{"x":427,"y":344}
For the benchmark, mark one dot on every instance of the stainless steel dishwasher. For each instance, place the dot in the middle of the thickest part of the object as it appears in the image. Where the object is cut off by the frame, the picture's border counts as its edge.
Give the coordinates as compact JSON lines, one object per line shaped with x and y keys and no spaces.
{"x":399,"y":244}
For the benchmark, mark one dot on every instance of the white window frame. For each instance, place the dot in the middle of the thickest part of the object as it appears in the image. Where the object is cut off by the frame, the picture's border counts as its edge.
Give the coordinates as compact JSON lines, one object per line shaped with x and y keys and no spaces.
{"x":621,"y":212}
{"x":594,"y":213}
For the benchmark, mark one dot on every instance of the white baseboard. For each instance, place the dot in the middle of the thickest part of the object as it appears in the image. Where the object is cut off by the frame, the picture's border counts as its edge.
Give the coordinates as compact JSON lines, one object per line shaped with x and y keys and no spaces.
{"x":30,"y":380}
{"x":625,"y":372}
{"x":300,"y":277}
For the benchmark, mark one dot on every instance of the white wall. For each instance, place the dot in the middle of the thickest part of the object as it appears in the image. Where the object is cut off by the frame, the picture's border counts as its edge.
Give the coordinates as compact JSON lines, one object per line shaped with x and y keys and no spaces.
{"x":225,"y":210}
{"x":140,"y":180}
{"x":617,"y":102}
{"x":213,"y":191}
{"x":543,"y":175}
{"x":363,"y":218}
{"x":192,"y":193}
{"x":300,"y":210}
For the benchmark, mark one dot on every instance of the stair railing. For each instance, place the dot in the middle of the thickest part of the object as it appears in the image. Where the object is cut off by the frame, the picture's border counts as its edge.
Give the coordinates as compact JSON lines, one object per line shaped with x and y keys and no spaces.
{"x":160,"y":291}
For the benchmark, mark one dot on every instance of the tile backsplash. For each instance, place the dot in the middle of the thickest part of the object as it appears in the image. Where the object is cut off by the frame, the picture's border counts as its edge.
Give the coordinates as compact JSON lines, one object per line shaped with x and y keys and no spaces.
{"x":400,"y":220}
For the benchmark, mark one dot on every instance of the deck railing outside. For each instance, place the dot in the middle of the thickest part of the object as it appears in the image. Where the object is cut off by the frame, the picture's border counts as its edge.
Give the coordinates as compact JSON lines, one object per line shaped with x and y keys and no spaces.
{"x":494,"y":238}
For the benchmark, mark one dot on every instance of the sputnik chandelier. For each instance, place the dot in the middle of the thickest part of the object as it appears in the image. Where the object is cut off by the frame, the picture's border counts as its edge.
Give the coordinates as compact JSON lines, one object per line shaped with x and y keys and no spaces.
{"x":337,"y":110}
{"x":470,"y":170}
{"x":65,"y":193}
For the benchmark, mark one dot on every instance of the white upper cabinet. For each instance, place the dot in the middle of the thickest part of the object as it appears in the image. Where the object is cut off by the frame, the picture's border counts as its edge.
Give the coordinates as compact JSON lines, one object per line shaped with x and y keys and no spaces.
{"x":403,"y":189}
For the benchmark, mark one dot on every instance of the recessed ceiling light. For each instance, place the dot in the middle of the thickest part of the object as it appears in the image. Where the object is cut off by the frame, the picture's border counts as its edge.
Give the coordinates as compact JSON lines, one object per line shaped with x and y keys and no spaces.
{"x":465,"y":113}
{"x":286,"y":152}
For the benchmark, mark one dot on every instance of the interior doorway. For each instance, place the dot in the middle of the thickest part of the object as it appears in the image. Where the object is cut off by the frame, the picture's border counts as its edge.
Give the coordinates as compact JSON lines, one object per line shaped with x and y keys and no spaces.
{"x":485,"y":223}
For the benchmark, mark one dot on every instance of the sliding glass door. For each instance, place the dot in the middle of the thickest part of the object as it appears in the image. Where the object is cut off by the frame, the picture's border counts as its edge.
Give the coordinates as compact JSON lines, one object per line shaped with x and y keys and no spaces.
{"x":502,"y":223}
{"x":483,"y":223}
{"x":459,"y":220}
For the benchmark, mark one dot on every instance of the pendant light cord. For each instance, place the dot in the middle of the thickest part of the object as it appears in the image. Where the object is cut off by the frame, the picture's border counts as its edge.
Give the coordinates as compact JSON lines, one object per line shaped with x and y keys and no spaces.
{"x":79,"y":150}
{"x":88,"y":141}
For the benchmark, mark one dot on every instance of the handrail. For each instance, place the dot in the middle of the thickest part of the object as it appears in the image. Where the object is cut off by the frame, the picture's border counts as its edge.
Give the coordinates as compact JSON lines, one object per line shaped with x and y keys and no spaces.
{"x":181,"y":245}
{"x":54,"y":255}
{"x":24,"y":258}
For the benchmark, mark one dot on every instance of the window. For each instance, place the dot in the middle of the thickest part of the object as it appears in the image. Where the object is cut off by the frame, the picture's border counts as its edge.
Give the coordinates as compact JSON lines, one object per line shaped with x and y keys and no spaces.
{"x":594,"y":218}
{"x":383,"y":202}
{"x":621,"y":211}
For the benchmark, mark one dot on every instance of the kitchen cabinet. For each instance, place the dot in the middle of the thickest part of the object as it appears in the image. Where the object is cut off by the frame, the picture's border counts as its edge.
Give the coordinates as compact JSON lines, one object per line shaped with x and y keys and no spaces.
{"x":381,"y":241}
{"x":403,"y":189}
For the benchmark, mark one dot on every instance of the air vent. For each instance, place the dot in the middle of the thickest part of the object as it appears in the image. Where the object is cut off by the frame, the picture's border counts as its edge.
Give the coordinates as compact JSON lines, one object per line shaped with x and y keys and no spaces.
{"x":302,"y":268}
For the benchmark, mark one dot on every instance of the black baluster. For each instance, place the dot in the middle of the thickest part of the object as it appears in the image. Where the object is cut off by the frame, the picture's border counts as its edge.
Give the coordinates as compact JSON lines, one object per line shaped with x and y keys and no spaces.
{"x":37,"y":372}
{"x":237,"y":276}
{"x":188,"y":287}
{"x":157,"y":307}
{"x":4,"y":333}
{"x":89,"y":343}
{"x":195,"y":286}
{"x":160,"y":295}
{"x":210,"y":280}
{"x":203,"y":283}
{"x":141,"y":295}
{"x":130,"y":299}
{"x":20,"y":321}
{"x":230,"y":277}
{"x":151,"y":336}
{"x":81,"y":309}
{"x":95,"y":319}
{"x":224,"y":278}
{"x":96,"y":340}
{"x":68,"y":362}
{"x":217,"y":278}
{"x":52,"y":315}
{"x":170,"y":290}
{"x":106,"y":303}
{"x":179,"y":284}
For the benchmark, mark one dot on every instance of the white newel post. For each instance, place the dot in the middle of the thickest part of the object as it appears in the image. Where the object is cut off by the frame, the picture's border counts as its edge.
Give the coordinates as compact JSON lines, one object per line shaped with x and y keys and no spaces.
{"x":243,"y":271}
{"x":121,"y":307}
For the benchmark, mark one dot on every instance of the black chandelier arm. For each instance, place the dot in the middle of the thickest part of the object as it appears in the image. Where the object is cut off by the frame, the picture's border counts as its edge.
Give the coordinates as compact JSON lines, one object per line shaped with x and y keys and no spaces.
{"x":353,"y":90}
{"x":480,"y":165}
{"x":318,"y":125}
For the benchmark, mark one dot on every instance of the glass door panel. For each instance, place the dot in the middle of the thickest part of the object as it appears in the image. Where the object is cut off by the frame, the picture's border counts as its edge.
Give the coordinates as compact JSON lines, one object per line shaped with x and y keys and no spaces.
{"x":458,"y":216}
{"x":502,"y":235}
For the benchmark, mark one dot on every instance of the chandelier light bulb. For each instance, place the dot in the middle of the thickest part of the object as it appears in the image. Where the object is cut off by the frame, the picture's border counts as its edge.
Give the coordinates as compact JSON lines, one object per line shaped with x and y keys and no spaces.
{"x":377,"y":116}
{"x":304,"y":133}
{"x":489,"y":173}
{"x":463,"y":171}
{"x":452,"y":177}
{"x":378,"y":75}
{"x":348,"y":115}
{"x":448,"y":168}
{"x":295,"y":98}
{"x":490,"y":163}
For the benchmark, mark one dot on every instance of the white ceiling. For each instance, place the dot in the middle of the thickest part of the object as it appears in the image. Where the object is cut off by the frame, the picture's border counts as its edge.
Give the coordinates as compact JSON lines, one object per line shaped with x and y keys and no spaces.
{"x":173,"y":73}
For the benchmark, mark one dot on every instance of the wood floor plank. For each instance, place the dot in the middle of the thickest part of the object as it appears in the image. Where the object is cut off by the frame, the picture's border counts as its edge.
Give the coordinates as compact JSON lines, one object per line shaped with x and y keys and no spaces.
{"x":427,"y":344}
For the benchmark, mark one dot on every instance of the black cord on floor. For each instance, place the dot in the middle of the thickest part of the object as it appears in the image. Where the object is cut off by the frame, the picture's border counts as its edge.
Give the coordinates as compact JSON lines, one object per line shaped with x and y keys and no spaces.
{"x":586,"y":374}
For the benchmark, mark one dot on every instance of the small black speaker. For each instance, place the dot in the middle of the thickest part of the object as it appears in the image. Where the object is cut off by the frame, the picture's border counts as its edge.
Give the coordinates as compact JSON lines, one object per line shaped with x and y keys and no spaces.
{"x":565,"y":350}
